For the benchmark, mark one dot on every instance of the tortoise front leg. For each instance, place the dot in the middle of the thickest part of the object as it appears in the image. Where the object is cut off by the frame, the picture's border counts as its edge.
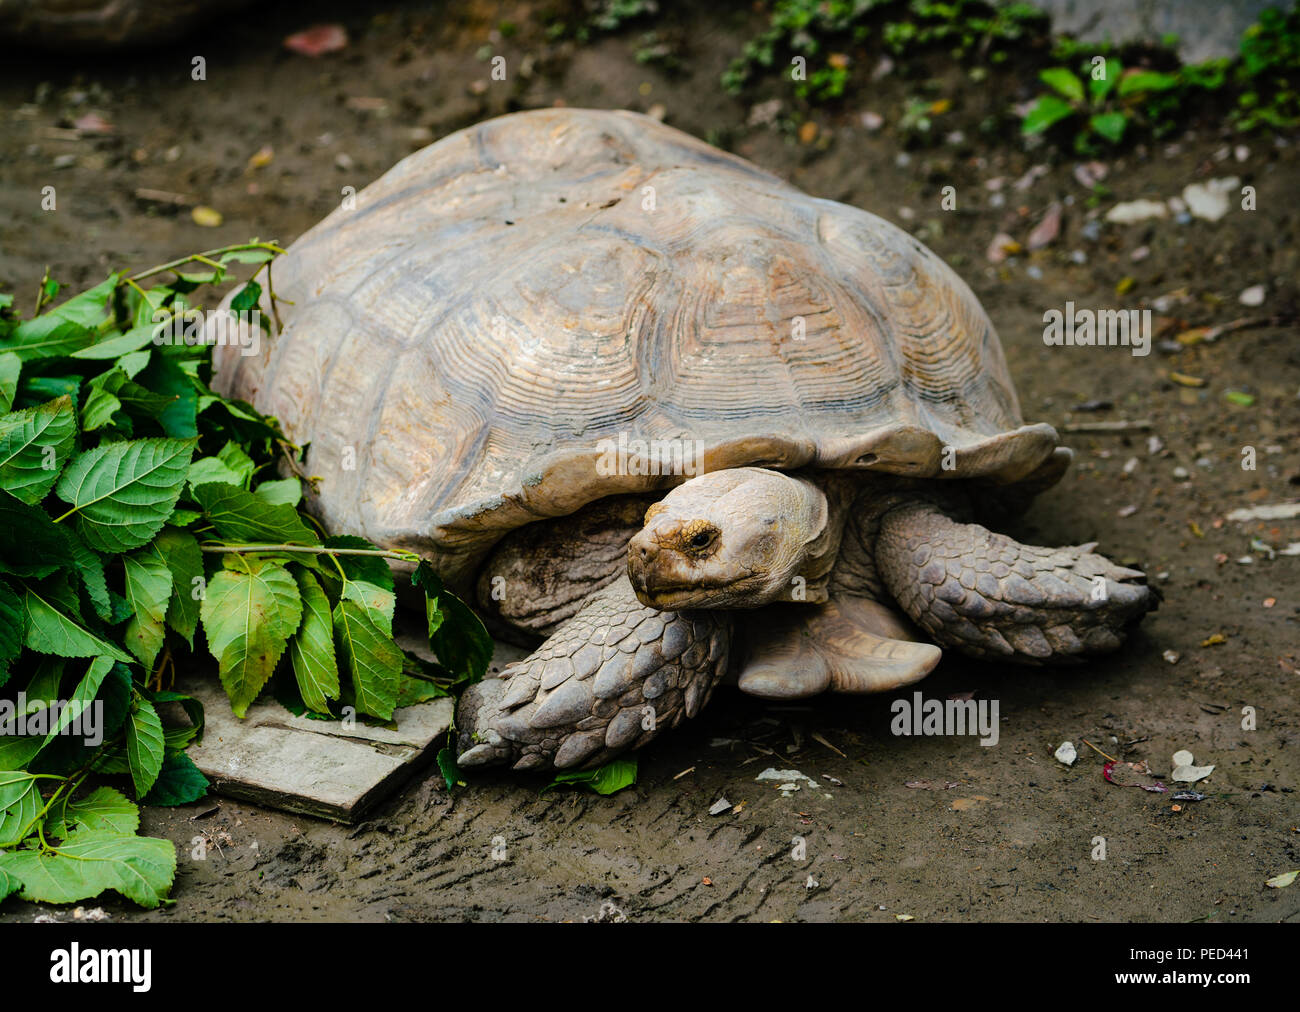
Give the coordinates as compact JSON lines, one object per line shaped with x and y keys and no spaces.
{"x":849,"y":644}
{"x":987,"y":595}
{"x":608,"y":680}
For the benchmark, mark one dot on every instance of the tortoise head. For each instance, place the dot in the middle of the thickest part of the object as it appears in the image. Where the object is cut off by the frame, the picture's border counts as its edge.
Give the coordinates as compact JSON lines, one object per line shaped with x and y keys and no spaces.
{"x":727,"y":539}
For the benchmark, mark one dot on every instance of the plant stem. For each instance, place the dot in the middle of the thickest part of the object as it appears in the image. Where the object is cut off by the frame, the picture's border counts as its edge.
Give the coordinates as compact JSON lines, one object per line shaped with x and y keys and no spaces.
{"x":204,"y":257}
{"x":312,"y":550}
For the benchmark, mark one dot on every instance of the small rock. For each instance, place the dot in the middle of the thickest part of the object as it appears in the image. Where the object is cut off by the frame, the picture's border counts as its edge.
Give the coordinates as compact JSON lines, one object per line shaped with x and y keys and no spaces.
{"x":1136,"y":210}
{"x":1047,"y":229}
{"x":1181,"y":473}
{"x":872,"y":120}
{"x":1241,"y":152}
{"x":1209,"y":200}
{"x":720,"y":806}
{"x":1066,"y":753}
{"x":1141,"y":253}
{"x":1035,"y":272}
{"x":1252,"y":296}
{"x":1171,"y":656}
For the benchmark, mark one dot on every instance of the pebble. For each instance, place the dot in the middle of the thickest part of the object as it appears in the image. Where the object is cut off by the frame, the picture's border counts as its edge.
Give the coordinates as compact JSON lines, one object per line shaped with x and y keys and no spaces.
{"x":1171,"y":656}
{"x":1078,"y":256}
{"x":1181,"y":473}
{"x":1035,"y":272}
{"x":1252,"y":296}
{"x":1091,"y":230}
{"x":1209,"y":200}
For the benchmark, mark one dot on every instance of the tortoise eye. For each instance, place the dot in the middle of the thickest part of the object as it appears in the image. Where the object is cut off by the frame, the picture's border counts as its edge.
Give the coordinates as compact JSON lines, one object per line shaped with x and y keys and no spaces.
{"x":702,"y":539}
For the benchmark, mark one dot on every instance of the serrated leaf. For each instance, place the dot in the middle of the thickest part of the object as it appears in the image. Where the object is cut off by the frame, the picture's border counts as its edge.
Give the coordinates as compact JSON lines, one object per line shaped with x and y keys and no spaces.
{"x":179,"y":737}
{"x":31,"y":544}
{"x":13,"y":623}
{"x":456,"y":634}
{"x":180,"y":550}
{"x":179,"y":783}
{"x":246,"y":298}
{"x":248,"y":617}
{"x":147,"y":582}
{"x":64,"y":329}
{"x":1063,"y":82}
{"x":1048,"y":109}
{"x":10,"y":368}
{"x":103,"y":809}
{"x":243,"y":518}
{"x":179,"y":418}
{"x":8,"y":884}
{"x":123,"y":492}
{"x":117,"y":344}
{"x":49,"y":631}
{"x":311,"y":650}
{"x":20,"y":803}
{"x":286,"y":492}
{"x":90,"y":862}
{"x":90,"y":567}
{"x":231,"y":466}
{"x":144,"y":744}
{"x":607,"y":779}
{"x":83,"y":697}
{"x":365,"y":642}
{"x":35,"y":443}
{"x":451,"y":774}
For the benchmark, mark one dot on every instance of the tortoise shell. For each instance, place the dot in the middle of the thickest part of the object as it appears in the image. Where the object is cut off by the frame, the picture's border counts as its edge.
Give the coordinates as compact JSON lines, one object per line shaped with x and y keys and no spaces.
{"x":467,"y":343}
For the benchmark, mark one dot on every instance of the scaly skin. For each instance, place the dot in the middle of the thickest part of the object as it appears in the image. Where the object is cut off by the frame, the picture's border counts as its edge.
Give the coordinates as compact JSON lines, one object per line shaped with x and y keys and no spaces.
{"x":609,"y":679}
{"x":619,"y":670}
{"x":990,"y":596}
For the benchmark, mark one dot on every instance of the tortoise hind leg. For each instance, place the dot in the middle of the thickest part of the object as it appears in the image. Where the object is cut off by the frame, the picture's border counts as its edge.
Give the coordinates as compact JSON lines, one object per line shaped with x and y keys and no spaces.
{"x":609,"y":679}
{"x":849,"y":644}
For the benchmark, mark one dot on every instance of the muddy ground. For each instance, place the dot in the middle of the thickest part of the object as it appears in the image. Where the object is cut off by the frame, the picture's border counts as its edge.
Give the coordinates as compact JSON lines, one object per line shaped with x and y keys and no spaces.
{"x":931,"y":828}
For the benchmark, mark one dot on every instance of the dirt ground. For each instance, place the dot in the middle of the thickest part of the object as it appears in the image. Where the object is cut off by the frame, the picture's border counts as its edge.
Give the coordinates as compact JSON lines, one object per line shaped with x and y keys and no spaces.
{"x":937,"y":828}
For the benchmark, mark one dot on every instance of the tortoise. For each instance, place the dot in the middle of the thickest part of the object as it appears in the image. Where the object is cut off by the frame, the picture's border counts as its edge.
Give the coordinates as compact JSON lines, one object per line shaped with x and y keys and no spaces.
{"x":641,"y":398}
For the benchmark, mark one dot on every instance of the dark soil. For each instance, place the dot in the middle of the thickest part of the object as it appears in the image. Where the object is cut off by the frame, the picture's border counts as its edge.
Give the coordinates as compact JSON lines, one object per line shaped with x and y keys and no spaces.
{"x":934,"y":828}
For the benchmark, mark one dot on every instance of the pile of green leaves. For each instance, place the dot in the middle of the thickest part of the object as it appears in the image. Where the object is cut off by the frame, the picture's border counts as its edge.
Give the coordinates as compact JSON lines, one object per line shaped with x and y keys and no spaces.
{"x":1102,"y":108}
{"x":808,"y":27}
{"x":143,"y":524}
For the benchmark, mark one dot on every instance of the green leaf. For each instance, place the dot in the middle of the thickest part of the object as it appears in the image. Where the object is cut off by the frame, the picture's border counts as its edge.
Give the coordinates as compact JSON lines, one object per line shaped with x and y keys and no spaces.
{"x":62,"y":330}
{"x":1109,"y":125}
{"x":1142,"y":81}
{"x":287,"y":492}
{"x":31,"y":544}
{"x":49,"y":631}
{"x":248,"y":617}
{"x":312,"y":648}
{"x":83,"y":698}
{"x":246,"y":298}
{"x":144,"y":744}
{"x":20,"y":802}
{"x":179,"y":418}
{"x":35,"y":443}
{"x":241,"y":517}
{"x":89,"y":862}
{"x":1044,"y":112}
{"x":148,"y":585}
{"x":418,"y":690}
{"x":102,"y":810}
{"x":184,"y":558}
{"x":13,"y":623}
{"x":123,"y":492}
{"x":90,"y":567}
{"x":451,"y":774}
{"x":179,"y":783}
{"x":456,"y":634}
{"x":8,"y":884}
{"x":179,"y":737}
{"x":607,"y":779}
{"x":1063,"y":82}
{"x":10,"y":367}
{"x":365,"y":641}
{"x":245,"y":256}
{"x":1100,"y":88}
{"x":231,"y":466}
{"x":116,"y":345}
